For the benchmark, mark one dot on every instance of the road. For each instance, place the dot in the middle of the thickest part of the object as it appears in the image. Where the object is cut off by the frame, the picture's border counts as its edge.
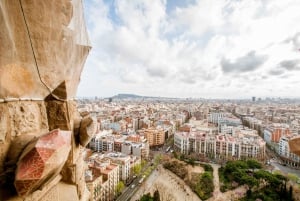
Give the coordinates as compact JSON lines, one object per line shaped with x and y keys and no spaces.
{"x":129,"y":191}
{"x":284,"y":169}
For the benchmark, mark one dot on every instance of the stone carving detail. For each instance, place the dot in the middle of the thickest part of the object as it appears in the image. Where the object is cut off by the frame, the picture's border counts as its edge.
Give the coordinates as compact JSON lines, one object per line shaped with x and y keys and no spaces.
{"x":41,"y":160}
{"x":28,"y":117}
{"x":87,"y":130}
{"x":42,"y":56}
{"x":41,"y":52}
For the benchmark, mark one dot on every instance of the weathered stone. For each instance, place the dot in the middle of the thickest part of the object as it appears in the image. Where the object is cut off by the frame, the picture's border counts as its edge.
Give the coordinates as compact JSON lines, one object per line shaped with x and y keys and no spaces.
{"x":52,"y":191}
{"x":16,"y":148}
{"x":41,"y":160}
{"x":43,"y":49}
{"x":87,"y":130}
{"x":26,"y":117}
{"x":4,"y":122}
{"x":75,"y":167}
{"x":39,"y":52}
{"x":84,"y":113}
{"x":20,"y":119}
{"x":76,"y":125}
{"x":67,"y":192}
{"x":58,"y":115}
{"x":4,"y":148}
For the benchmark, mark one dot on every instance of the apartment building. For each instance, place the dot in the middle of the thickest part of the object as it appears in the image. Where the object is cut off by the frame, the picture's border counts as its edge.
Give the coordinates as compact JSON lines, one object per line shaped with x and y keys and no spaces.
{"x":154,"y":136}
{"x":141,"y":150}
{"x":102,"y":178}
{"x":102,"y":141}
{"x":123,"y":161}
{"x":275,"y":131}
{"x":221,"y":146}
{"x":215,"y":117}
{"x":286,"y":155}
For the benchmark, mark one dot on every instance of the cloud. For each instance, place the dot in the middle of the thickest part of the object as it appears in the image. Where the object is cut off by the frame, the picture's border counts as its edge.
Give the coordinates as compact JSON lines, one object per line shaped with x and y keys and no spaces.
{"x":173,"y":47}
{"x":157,"y":72}
{"x":295,"y":40}
{"x":276,"y":72}
{"x":250,"y":62}
{"x":290,"y":64}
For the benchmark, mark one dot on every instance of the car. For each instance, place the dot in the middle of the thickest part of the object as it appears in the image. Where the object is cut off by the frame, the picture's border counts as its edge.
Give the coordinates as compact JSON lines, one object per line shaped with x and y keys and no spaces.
{"x":132,"y":186}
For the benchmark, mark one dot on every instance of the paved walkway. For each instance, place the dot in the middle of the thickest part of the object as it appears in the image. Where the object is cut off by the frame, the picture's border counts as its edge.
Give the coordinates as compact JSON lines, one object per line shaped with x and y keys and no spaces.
{"x":229,"y":195}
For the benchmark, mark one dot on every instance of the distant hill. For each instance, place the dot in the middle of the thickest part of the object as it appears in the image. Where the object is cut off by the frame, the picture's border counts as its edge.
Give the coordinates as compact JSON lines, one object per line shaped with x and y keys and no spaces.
{"x":125,"y":96}
{"x":134,"y":96}
{"x":149,"y":98}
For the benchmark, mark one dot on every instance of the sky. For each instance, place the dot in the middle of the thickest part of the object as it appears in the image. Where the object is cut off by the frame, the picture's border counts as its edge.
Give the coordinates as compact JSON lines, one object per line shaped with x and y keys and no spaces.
{"x":192,"y":48}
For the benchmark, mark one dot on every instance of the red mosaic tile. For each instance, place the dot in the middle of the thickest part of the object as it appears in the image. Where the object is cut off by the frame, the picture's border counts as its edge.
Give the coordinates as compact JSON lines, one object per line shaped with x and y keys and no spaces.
{"x":35,"y":165}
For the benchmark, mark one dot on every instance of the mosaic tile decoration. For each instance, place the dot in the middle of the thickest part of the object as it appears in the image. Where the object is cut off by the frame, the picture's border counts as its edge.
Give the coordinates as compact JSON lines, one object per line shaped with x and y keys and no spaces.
{"x":40,"y":158}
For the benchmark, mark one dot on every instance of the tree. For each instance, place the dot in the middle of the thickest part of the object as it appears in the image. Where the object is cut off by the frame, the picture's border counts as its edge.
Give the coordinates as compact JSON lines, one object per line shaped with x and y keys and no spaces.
{"x":164,"y":194}
{"x":249,"y":193}
{"x":147,"y":197}
{"x":253,"y":164}
{"x":137,"y":169}
{"x":291,"y":193}
{"x":120,"y":187}
{"x":292,"y":177}
{"x":157,"y":159}
{"x":143,"y":163}
{"x":156,"y":196}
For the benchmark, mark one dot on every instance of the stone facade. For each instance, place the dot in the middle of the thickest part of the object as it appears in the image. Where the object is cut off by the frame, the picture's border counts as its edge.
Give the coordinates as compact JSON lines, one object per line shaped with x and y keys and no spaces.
{"x":43,"y":48}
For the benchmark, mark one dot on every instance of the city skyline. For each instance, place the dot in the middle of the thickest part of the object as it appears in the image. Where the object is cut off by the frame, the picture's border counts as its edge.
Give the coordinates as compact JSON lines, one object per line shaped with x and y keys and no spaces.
{"x":228,"y":49}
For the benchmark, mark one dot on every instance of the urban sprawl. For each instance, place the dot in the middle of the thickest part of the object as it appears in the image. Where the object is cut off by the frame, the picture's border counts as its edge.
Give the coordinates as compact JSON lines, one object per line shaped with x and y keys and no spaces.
{"x":130,"y":132}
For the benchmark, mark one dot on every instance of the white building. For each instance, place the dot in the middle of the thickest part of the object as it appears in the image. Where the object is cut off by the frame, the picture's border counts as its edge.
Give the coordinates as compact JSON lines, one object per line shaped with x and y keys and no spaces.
{"x":242,"y":144}
{"x":284,"y":151}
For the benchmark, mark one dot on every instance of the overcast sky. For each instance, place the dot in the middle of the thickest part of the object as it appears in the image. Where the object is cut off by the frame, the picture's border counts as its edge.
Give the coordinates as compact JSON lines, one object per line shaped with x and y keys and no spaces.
{"x":204,"y":48}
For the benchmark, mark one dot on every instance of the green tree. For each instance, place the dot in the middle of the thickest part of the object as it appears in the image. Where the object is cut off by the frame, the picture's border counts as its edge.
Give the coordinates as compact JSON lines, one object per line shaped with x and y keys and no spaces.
{"x":143,"y":163}
{"x":156,"y":196}
{"x":292,"y":177}
{"x":120,"y":187}
{"x":137,"y":169}
{"x":157,"y":159}
{"x":249,"y":193}
{"x":291,"y":193}
{"x":147,"y":197}
{"x":253,"y":164}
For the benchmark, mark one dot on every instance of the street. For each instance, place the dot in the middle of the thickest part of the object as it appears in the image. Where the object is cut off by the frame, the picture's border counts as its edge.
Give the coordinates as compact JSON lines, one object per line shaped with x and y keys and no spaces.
{"x":284,"y":169}
{"x":129,"y":191}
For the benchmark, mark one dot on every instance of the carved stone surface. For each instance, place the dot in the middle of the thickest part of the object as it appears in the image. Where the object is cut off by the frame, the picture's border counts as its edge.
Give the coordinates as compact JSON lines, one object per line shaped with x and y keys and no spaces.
{"x":40,"y":52}
{"x":17,"y":120}
{"x":43,"y":47}
{"x":87,"y":130}
{"x":67,"y":192}
{"x":41,"y":160}
{"x":58,"y":115}
{"x":4,"y":123}
{"x":28,"y":117}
